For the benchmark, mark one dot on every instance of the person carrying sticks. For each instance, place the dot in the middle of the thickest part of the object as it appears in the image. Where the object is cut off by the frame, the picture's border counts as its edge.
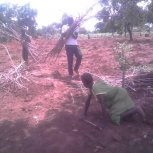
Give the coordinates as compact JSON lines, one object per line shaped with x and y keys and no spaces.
{"x":25,"y":40}
{"x":71,"y":47}
{"x":116,"y":99}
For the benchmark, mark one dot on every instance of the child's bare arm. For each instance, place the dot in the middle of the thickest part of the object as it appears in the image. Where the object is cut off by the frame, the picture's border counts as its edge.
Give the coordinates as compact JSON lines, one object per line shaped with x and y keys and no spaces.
{"x":87,"y":103}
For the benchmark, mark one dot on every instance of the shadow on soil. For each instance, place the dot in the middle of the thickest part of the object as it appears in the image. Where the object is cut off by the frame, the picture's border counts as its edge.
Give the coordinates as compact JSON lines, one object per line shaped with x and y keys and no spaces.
{"x":63,"y":132}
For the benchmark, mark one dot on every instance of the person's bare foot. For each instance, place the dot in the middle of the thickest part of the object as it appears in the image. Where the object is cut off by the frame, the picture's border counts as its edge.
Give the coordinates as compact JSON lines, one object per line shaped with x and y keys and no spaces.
{"x":76,"y":72}
{"x":70,"y":77}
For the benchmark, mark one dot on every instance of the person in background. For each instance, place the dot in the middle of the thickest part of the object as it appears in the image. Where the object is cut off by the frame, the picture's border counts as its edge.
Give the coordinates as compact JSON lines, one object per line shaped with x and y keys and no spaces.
{"x":116,"y":99}
{"x":72,"y":49}
{"x":25,"y":40}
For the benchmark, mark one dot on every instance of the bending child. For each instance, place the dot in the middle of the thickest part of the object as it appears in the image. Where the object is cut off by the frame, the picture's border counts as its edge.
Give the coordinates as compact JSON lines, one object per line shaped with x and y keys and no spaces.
{"x":116,"y":99}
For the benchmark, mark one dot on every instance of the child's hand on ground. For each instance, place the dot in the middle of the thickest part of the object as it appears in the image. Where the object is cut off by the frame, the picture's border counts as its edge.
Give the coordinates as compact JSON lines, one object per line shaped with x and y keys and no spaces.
{"x":82,"y":117}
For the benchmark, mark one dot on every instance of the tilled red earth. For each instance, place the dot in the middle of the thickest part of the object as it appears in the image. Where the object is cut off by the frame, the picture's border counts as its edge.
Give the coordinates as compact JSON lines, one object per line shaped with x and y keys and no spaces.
{"x":46,"y":117}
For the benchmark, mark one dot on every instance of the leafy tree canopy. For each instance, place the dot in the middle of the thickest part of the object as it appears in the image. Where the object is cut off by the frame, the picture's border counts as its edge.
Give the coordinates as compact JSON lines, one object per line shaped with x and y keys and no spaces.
{"x":12,"y":15}
{"x":123,"y":14}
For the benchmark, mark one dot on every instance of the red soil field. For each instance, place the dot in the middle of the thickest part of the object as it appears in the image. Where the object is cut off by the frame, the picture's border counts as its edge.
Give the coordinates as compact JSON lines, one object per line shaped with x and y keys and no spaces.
{"x":46,"y":117}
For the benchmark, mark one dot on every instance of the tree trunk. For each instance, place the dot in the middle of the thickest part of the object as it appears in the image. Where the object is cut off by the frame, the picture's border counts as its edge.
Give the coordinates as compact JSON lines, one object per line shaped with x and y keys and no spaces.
{"x":129,"y":31}
{"x":125,"y":30}
{"x":123,"y":78}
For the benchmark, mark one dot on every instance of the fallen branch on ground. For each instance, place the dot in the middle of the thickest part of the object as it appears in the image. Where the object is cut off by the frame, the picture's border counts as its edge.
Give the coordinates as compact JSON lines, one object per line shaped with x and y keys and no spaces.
{"x":13,"y":78}
{"x":92,"y":124}
{"x":134,"y":81}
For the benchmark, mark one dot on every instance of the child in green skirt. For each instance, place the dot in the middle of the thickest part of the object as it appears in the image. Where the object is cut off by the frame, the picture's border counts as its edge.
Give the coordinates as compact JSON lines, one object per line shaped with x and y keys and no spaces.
{"x":116,"y":99}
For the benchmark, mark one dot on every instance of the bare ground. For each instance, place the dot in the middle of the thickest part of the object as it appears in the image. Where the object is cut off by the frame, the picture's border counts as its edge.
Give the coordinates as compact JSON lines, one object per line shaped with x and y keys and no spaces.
{"x":45,"y":118}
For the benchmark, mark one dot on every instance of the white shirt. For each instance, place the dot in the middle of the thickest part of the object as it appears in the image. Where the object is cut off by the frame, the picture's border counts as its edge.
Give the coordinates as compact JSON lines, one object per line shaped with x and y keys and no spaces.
{"x":70,"y":40}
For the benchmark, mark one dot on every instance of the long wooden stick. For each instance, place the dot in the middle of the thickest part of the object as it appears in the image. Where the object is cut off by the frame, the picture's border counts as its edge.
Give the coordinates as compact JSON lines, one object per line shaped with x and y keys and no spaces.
{"x":93,"y":124}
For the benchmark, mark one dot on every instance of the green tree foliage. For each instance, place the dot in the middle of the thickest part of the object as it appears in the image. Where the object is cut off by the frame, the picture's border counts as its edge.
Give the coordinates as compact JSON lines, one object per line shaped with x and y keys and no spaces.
{"x":99,"y":27}
{"x":50,"y":30}
{"x":16,"y":17}
{"x":7,"y":19}
{"x":7,"y":13}
{"x":121,"y":15}
{"x":26,"y":17}
{"x":150,"y":13}
{"x":83,"y":30}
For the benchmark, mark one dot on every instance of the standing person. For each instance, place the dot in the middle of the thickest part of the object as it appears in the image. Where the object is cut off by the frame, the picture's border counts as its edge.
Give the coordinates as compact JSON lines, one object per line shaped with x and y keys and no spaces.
{"x":72,"y":49}
{"x":116,"y":99}
{"x":25,"y":40}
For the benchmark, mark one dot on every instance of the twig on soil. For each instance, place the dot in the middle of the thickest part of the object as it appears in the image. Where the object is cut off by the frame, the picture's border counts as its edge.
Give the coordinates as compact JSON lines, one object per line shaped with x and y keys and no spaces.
{"x":13,"y":78}
{"x":93,"y":124}
{"x":72,"y":98}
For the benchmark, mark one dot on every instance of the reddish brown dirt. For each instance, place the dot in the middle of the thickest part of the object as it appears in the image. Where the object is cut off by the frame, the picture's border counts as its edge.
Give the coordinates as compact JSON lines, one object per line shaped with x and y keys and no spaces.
{"x":45,"y":119}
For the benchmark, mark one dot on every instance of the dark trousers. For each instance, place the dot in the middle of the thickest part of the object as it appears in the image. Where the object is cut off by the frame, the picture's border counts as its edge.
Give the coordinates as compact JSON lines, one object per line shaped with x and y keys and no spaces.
{"x":25,"y":53}
{"x":72,"y":50}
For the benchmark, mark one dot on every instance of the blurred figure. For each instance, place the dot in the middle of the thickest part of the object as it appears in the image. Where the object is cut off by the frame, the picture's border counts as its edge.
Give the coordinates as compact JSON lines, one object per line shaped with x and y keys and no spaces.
{"x":72,"y":49}
{"x":116,"y":99}
{"x":25,"y":40}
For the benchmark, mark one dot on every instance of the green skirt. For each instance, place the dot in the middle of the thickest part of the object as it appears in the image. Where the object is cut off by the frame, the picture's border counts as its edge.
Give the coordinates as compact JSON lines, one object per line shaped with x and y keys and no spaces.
{"x":117,"y":99}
